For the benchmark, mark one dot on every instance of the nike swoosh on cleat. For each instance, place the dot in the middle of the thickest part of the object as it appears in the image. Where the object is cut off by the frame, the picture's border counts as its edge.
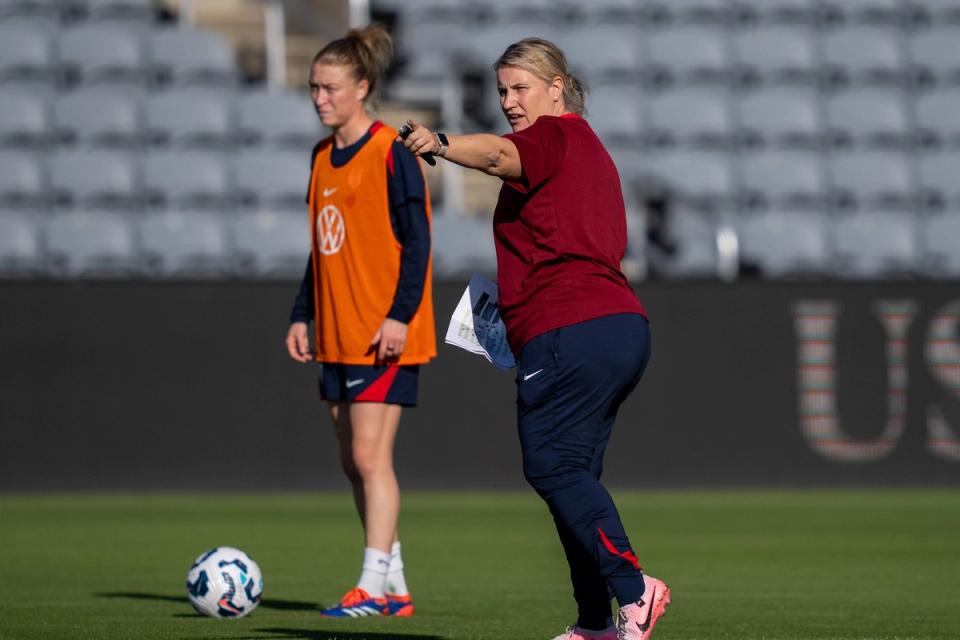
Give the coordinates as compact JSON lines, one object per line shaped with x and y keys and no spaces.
{"x":646,"y":624}
{"x":352,"y":383}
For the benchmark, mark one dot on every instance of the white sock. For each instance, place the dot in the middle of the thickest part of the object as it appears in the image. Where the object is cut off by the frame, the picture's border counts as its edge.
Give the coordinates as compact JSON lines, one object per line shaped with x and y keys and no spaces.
{"x":374,"y":574}
{"x":396,"y":582}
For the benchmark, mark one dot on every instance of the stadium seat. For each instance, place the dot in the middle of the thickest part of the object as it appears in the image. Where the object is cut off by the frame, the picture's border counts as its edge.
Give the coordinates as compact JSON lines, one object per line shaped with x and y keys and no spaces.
{"x":871,"y":245}
{"x":872,"y":180}
{"x":694,"y":254}
{"x":710,"y":12}
{"x":27,"y":57}
{"x":776,"y":55}
{"x":853,"y":12}
{"x":186,"y":56}
{"x":45,"y":14}
{"x":94,"y":179}
{"x":864,"y":55}
{"x":23,"y":182}
{"x":191,"y":244}
{"x":278,"y":119}
{"x":702,"y":179}
{"x":785,"y":243}
{"x":688,"y":55}
{"x":94,"y":53}
{"x":936,"y":12}
{"x":620,"y":56}
{"x":97,"y":117}
{"x":182,"y":180}
{"x":934,"y":55}
{"x":20,"y":245}
{"x":615,"y":110}
{"x":781,"y":117}
{"x":190,"y":117}
{"x":770,"y":12}
{"x":433,"y":34}
{"x":91,"y":243}
{"x":783,"y":179}
{"x":24,"y":120}
{"x":136,"y":11}
{"x":937,"y":118}
{"x":869,"y":117}
{"x":632,"y":162}
{"x":462,"y":246}
{"x":275,"y":180}
{"x":937,"y":181}
{"x":940,"y":242}
{"x":692,"y":117}
{"x":271,"y":245}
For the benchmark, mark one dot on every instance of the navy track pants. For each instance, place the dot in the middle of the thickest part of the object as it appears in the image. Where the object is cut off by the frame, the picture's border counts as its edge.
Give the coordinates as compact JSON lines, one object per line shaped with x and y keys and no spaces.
{"x":570,"y":383}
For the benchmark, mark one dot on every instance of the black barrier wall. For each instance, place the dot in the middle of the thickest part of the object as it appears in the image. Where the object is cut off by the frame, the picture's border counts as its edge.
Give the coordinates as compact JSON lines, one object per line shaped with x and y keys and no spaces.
{"x":188,"y":386}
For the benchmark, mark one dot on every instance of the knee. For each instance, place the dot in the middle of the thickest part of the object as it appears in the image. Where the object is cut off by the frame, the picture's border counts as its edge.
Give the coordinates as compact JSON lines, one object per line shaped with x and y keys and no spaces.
{"x":368,"y":459}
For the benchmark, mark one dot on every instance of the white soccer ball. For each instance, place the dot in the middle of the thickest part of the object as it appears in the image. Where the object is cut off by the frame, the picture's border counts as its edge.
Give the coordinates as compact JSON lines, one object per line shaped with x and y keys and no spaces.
{"x":224,"y":583}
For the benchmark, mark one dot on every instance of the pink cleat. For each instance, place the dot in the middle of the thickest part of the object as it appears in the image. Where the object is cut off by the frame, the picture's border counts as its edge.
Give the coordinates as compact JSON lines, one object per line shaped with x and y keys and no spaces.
{"x":576,"y":633}
{"x":636,"y":621}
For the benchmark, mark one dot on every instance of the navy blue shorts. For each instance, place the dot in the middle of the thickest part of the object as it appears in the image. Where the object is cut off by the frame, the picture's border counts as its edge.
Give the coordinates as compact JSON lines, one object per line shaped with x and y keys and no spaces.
{"x":390,"y":384}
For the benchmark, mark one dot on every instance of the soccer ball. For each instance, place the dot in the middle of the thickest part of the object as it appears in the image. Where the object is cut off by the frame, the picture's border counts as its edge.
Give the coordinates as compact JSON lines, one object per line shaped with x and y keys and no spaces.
{"x":224,"y":583}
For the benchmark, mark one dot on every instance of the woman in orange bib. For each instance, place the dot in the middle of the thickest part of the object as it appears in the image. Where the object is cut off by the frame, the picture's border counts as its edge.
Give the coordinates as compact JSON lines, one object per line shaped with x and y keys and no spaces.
{"x":367,"y":289}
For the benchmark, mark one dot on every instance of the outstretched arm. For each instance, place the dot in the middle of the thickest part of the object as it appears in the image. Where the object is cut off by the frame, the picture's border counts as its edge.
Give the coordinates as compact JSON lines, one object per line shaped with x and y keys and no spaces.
{"x":492,"y":154}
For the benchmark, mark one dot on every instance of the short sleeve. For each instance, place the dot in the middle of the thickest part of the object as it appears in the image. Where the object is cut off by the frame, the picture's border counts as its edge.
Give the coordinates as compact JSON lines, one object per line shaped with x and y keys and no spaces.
{"x":542,"y":147}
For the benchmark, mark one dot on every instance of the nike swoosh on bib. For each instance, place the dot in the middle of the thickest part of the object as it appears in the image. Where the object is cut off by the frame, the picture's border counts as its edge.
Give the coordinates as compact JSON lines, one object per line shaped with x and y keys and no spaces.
{"x":329,"y":192}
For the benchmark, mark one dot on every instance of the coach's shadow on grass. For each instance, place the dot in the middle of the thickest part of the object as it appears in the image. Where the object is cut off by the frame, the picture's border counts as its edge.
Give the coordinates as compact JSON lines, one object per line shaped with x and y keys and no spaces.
{"x":266,"y":603}
{"x":312,"y":634}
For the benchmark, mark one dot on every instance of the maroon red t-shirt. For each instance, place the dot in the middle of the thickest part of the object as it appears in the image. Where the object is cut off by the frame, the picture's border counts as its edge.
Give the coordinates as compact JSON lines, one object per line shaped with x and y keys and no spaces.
{"x":560,"y":232}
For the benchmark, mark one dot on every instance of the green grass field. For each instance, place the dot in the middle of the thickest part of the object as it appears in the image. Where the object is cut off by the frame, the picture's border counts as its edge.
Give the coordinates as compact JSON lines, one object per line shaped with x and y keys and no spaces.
{"x":844,"y":565}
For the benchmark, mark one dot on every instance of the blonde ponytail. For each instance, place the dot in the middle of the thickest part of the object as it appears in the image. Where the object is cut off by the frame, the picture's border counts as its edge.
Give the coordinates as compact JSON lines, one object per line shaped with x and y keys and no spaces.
{"x":367,"y":51}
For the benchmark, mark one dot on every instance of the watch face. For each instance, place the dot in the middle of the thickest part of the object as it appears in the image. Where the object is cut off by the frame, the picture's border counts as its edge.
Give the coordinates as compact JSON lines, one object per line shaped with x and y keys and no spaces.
{"x":442,"y":137}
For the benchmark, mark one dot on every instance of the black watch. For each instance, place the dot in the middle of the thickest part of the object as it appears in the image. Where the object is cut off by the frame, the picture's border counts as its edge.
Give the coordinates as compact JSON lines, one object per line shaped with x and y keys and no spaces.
{"x":444,"y":143}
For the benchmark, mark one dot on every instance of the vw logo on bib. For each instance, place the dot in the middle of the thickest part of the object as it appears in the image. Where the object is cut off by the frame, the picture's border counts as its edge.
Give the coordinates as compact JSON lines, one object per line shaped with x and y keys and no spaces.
{"x":330,"y":230}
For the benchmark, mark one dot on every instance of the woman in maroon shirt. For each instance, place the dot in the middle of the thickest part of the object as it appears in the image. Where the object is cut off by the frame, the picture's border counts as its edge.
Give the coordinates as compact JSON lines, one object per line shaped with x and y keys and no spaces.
{"x":579,"y":333}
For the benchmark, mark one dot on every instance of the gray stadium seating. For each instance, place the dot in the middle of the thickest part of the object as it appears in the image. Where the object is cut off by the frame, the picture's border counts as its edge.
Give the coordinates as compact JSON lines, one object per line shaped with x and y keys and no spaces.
{"x":187,"y":56}
{"x":776,"y":55}
{"x":27,"y":56}
{"x":872,"y":180}
{"x":783,"y":179}
{"x":874,"y":245}
{"x":940,"y":242}
{"x":869,"y":117}
{"x":615,"y":110}
{"x":688,"y":55}
{"x":881,"y":12}
{"x":92,"y":243}
{"x":278,"y":119}
{"x":185,"y":245}
{"x":936,"y":117}
{"x":23,"y":181}
{"x":271,"y":245}
{"x":702,"y":179}
{"x":621,"y":54}
{"x":785,"y":243}
{"x":140,"y":11}
{"x":864,"y":55}
{"x":275,"y":180}
{"x":97,"y":117}
{"x":932,"y":12}
{"x":782,"y":117}
{"x":711,"y":12}
{"x":462,"y":246}
{"x":190,"y":117}
{"x":94,"y":178}
{"x":693,"y":117}
{"x":770,"y":12}
{"x":935,"y":56}
{"x":937,"y":179}
{"x":96,"y":53}
{"x":183,"y":180}
{"x":24,"y":120}
{"x":695,"y":253}
{"x":20,"y":245}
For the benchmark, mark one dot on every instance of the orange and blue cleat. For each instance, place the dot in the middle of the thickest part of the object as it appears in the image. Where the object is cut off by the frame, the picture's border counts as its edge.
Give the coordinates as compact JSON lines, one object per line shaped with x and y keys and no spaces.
{"x":357,"y":603}
{"x":401,"y":606}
